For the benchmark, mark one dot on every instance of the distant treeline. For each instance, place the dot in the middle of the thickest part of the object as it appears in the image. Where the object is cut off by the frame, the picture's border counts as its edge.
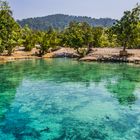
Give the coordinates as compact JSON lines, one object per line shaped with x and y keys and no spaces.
{"x":60,"y":21}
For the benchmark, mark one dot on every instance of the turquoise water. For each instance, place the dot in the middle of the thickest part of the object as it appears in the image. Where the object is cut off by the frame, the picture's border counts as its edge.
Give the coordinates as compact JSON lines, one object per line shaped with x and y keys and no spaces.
{"x":62,"y":99}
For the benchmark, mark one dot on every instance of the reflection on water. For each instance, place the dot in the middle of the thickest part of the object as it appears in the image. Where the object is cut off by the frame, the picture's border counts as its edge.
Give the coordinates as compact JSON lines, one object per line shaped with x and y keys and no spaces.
{"x":65,"y":99}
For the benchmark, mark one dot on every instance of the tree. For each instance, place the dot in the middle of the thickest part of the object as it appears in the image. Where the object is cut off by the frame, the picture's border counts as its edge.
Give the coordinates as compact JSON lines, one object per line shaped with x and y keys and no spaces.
{"x":136,"y":37}
{"x":29,"y":38}
{"x":88,"y":36}
{"x":126,"y":28}
{"x":8,"y":28}
{"x":79,"y":36}
{"x":1,"y":46}
{"x":49,"y":40}
{"x":97,"y":32}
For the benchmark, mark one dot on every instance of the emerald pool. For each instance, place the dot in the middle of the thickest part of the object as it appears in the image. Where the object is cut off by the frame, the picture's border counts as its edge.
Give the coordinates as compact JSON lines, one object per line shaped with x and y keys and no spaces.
{"x":63,"y":99}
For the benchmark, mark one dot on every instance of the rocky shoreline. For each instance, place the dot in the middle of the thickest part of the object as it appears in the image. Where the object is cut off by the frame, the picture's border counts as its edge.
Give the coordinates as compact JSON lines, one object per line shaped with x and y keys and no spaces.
{"x":113,"y":55}
{"x":97,"y":54}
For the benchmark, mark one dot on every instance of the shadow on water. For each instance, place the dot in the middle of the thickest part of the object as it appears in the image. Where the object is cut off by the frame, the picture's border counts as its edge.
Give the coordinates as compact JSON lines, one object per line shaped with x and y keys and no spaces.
{"x":126,"y":82}
{"x":10,"y":78}
{"x":123,"y":91}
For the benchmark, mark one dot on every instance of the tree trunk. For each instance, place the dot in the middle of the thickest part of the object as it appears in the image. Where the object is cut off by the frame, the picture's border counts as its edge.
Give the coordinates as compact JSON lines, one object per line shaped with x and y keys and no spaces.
{"x":10,"y":50}
{"x":124,"y":48}
{"x":78,"y":51}
{"x":123,"y":53}
{"x":41,"y":52}
{"x":89,"y":48}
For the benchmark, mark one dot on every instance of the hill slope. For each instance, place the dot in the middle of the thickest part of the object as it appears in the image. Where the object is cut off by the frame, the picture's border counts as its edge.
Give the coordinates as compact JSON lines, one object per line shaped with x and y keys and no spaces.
{"x":60,"y":21}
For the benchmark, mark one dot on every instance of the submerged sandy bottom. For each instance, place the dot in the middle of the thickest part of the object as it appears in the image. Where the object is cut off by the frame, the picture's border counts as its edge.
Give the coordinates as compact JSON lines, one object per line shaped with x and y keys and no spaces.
{"x":65,"y":99}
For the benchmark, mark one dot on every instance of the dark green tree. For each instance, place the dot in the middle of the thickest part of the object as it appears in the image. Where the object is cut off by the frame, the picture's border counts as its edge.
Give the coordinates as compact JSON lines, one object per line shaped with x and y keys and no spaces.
{"x":126,"y":28}
{"x":9,"y":29}
{"x":97,"y":32}
{"x":48,"y":41}
{"x":79,"y":36}
{"x":29,"y":38}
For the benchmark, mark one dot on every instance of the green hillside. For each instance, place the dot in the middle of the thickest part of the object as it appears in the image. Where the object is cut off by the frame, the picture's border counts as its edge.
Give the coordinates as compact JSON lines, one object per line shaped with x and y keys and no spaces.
{"x":60,"y":21}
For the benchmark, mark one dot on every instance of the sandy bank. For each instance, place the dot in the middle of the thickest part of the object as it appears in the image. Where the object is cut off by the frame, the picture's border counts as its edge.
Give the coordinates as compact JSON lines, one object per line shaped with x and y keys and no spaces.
{"x":19,"y":55}
{"x":97,"y":54}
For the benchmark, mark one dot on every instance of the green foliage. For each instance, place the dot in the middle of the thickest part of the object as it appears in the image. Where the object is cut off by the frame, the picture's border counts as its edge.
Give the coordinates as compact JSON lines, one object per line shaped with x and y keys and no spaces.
{"x":1,"y":46}
{"x":49,"y":40}
{"x":136,"y":37}
{"x":8,"y":29}
{"x":126,"y":29}
{"x":78,"y":35}
{"x":29,"y":38}
{"x":83,"y":37}
{"x":97,"y":32}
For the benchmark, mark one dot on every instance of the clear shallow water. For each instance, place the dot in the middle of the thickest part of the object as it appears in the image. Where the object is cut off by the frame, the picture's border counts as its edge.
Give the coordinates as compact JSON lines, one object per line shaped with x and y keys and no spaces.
{"x":63,"y":99}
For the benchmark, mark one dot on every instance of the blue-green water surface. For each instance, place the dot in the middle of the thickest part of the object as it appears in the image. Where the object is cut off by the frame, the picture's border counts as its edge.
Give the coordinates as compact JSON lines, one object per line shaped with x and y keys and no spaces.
{"x":63,"y":99}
